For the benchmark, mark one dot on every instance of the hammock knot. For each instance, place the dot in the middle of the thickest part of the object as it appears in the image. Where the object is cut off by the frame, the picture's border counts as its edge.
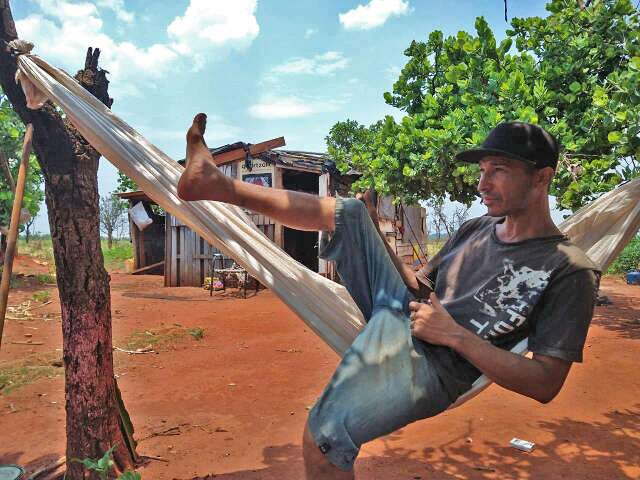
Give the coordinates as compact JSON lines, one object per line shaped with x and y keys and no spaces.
{"x":19,"y":47}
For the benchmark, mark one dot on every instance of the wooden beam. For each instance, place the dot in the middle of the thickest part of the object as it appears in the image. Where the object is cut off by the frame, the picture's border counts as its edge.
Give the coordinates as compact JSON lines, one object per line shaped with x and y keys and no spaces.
{"x":147,"y":268}
{"x":239,"y":154}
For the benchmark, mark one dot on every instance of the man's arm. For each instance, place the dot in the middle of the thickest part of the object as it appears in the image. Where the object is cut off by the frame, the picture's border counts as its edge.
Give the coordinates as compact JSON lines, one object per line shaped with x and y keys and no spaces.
{"x":407,"y":274}
{"x":540,"y":377}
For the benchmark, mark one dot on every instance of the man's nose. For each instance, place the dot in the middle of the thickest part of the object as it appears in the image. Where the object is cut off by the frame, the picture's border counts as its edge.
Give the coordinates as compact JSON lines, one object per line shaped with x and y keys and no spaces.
{"x":484,"y":185}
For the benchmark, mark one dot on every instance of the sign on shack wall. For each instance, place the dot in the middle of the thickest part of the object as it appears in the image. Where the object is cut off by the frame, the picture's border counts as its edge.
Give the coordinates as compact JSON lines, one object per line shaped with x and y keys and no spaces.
{"x":261,"y":173}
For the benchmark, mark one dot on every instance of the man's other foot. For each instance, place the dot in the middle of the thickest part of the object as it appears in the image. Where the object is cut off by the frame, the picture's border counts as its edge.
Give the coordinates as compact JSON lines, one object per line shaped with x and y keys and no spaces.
{"x":201,"y":180}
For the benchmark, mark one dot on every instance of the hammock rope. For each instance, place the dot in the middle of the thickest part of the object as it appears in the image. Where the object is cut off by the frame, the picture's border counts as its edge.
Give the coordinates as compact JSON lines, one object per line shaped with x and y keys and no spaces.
{"x":601,"y":229}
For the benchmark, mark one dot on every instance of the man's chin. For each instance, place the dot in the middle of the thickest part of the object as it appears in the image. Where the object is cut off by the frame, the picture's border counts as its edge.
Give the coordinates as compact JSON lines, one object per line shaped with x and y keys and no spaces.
{"x":495,"y":212}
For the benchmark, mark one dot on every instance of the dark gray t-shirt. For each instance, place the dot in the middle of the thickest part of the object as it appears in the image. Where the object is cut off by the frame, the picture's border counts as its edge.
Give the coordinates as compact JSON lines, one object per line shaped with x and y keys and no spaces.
{"x":543,"y":288}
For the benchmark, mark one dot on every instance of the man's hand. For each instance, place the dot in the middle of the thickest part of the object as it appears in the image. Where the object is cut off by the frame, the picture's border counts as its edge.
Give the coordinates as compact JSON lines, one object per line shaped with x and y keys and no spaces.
{"x":370,"y":199}
{"x":432,"y":323}
{"x":540,"y":377}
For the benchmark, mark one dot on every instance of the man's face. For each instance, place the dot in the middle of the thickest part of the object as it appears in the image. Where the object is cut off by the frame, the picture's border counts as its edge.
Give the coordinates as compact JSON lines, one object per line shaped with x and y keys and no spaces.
{"x":505,"y":185}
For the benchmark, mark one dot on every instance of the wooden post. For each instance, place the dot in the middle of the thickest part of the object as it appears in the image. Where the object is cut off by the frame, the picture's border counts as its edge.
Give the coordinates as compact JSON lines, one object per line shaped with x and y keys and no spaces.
{"x":15,"y":225}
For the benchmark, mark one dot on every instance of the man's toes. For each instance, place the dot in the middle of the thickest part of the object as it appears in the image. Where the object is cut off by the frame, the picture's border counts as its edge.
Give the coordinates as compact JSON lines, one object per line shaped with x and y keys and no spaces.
{"x":196,"y":131}
{"x":201,"y":121}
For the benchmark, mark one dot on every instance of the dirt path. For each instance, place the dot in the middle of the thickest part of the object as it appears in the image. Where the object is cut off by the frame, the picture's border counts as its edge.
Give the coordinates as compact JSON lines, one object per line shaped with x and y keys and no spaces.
{"x":233,"y":404}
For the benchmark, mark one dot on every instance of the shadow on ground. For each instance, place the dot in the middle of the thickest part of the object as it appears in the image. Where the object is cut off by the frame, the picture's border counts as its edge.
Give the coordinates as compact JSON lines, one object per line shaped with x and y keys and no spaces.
{"x":602,"y":450}
{"x":13,"y":458}
{"x":622,"y":317}
{"x":229,"y":295}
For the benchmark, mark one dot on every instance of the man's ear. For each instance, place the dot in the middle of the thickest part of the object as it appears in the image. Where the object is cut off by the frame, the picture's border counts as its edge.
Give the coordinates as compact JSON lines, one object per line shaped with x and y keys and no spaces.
{"x":545,"y":176}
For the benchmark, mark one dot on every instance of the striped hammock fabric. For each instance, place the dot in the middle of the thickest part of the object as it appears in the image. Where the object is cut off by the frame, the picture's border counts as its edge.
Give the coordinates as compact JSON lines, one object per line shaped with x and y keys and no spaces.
{"x":601,"y":229}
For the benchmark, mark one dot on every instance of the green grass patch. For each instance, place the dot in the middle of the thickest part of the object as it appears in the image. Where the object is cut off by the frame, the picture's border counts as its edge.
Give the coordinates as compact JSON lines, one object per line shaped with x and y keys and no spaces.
{"x":18,"y":373}
{"x":197,"y":333}
{"x":155,"y":338}
{"x":46,"y":279}
{"x":629,"y":258}
{"x":42,"y":296}
{"x":161,"y":337}
{"x":40,"y":248}
{"x":434,"y":247}
{"x":115,"y":256}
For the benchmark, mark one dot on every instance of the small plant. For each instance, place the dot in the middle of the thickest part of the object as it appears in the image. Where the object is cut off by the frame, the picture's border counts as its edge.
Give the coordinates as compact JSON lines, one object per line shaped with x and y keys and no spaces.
{"x":129,"y":475}
{"x":42,"y":296}
{"x":45,"y":278}
{"x":197,"y":333}
{"x":103,"y":466}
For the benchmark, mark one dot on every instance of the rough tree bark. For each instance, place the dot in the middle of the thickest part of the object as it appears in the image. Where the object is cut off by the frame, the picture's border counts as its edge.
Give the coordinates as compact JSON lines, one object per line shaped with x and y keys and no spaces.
{"x":69,"y":165}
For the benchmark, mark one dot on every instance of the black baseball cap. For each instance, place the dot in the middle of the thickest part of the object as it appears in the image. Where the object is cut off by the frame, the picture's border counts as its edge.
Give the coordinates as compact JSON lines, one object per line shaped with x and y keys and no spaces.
{"x":519,"y":141}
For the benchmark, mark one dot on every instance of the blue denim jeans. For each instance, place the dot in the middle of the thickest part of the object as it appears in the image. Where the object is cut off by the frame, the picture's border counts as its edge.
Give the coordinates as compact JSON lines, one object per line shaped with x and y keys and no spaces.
{"x":384,"y":381}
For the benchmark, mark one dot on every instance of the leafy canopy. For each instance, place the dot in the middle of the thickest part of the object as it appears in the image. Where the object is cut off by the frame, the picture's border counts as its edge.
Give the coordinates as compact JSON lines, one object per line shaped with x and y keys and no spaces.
{"x":575,"y":72}
{"x":11,"y":136}
{"x":125,"y":184}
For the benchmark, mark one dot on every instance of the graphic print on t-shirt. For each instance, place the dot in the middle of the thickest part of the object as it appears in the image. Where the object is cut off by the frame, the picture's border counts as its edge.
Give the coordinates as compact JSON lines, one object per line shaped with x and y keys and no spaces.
{"x":508,"y":298}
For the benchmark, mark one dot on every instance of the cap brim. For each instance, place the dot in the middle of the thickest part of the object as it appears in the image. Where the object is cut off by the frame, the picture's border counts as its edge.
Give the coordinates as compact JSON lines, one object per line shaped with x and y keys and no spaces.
{"x":477,"y":154}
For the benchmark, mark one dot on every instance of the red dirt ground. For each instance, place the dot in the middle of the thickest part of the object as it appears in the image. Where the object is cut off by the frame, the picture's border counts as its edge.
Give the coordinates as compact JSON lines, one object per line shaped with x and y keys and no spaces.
{"x":239,"y":396}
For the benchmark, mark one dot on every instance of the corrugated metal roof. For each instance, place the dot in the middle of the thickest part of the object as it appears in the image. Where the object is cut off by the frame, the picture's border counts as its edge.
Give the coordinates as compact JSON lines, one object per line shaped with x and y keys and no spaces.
{"x":311,"y":161}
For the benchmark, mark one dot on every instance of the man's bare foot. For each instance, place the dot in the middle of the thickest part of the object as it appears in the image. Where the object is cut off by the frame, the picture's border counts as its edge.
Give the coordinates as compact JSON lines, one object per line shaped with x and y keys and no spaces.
{"x":201,"y":180}
{"x":195,"y":135}
{"x":370,"y":199}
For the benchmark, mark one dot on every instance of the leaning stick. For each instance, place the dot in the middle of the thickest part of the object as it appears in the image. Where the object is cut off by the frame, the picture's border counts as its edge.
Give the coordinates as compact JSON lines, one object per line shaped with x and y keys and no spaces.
{"x":15,"y":225}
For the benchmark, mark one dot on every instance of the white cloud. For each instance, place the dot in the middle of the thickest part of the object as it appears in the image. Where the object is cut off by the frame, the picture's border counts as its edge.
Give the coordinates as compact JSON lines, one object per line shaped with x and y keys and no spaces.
{"x":271,"y":107}
{"x":325,"y":64}
{"x":200,"y":35}
{"x":118,"y":8}
{"x":309,"y":32}
{"x":373,"y":14}
{"x":62,"y":9}
{"x":208,"y":25}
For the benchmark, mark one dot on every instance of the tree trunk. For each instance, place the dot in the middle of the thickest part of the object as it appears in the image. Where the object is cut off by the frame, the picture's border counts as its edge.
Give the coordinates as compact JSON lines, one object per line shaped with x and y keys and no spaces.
{"x":109,"y":239}
{"x":69,"y":165}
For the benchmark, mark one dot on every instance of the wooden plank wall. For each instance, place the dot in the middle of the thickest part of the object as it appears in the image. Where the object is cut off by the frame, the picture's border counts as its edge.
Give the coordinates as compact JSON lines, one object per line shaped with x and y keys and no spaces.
{"x":188,"y":256}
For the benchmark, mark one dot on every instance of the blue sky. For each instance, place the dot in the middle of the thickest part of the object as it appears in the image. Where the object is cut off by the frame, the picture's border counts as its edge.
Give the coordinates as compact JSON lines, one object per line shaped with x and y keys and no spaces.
{"x":259,"y":69}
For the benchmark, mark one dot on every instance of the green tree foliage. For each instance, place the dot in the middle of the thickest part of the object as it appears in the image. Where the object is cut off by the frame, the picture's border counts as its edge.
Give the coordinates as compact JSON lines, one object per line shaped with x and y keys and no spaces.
{"x":11,"y":136}
{"x":629,"y":258}
{"x":125,"y":184}
{"x":345,"y":136}
{"x":575,"y":72}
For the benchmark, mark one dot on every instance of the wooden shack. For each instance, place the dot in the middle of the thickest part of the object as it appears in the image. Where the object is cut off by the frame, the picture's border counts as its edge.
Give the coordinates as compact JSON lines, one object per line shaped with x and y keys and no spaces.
{"x":188,"y":258}
{"x":148,"y":244}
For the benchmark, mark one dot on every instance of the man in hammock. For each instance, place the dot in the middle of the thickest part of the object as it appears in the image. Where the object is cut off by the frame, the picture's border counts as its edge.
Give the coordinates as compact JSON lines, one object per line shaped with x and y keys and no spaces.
{"x":500,"y":278}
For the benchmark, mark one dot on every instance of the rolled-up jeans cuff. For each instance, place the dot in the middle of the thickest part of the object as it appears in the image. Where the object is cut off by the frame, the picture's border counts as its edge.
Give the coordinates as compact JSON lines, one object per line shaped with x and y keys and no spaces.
{"x":339,"y":451}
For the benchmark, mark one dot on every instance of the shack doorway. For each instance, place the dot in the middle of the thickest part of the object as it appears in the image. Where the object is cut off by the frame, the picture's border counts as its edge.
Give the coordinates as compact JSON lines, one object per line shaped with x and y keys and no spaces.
{"x":302,"y":246}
